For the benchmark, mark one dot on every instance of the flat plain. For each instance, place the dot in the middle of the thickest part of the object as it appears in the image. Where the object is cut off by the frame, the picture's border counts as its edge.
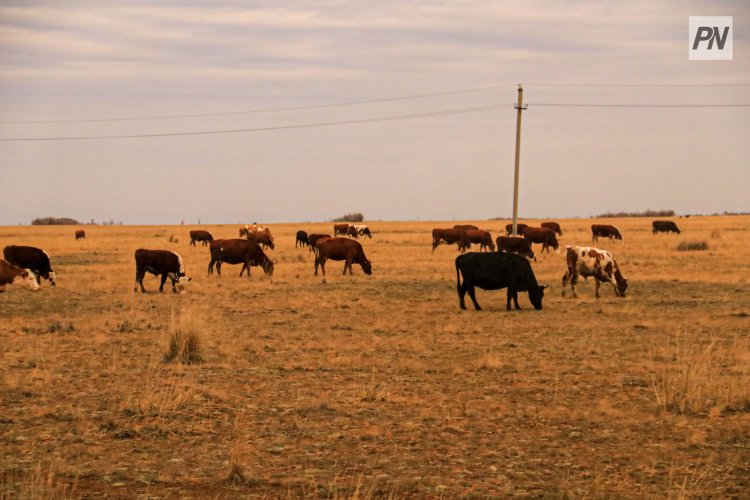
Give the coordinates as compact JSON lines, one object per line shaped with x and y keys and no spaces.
{"x":378,"y":386}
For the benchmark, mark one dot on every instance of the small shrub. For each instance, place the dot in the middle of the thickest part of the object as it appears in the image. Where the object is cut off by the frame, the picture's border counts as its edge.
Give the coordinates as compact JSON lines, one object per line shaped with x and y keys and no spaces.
{"x":689,"y":246}
{"x":715,"y":234}
{"x":184,"y":344}
{"x":354,"y":217}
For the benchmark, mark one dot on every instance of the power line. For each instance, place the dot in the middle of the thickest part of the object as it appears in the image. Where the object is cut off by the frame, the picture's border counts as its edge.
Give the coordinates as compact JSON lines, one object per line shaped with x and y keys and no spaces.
{"x":638,"y":85}
{"x":266,"y":110}
{"x":614,"y":105}
{"x":265,"y":129}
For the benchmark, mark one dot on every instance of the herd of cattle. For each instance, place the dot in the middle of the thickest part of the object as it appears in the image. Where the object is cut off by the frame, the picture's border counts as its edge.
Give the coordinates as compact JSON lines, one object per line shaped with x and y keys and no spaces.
{"x":506,"y":265}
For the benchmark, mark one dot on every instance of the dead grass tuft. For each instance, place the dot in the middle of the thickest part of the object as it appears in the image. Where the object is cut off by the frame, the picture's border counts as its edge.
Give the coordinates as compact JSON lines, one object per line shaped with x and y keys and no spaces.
{"x":38,"y":483}
{"x":688,"y":246}
{"x":184,"y":343}
{"x":489,"y":361}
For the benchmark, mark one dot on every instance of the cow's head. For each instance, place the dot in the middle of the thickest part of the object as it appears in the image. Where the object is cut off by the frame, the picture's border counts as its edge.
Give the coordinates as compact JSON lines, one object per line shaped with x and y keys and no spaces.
{"x":182,"y":283}
{"x":622,"y":285}
{"x":51,"y":278}
{"x":26,"y":280}
{"x":366,"y":266}
{"x":268,"y":267}
{"x":536,"y":294}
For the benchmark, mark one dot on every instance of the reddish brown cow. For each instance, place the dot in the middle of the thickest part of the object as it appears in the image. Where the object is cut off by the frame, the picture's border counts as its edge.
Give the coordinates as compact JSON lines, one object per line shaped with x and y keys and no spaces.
{"x":80,"y":234}
{"x":261,"y":238}
{"x":349,"y":251}
{"x":200,"y":235}
{"x":605,"y":231}
{"x":482,"y":238}
{"x":520,"y":227}
{"x":541,"y":235}
{"x":465,"y":227}
{"x":450,"y":236}
{"x":554,"y":226}
{"x":14,"y":275}
{"x":514,"y":244}
{"x":238,"y":251}
{"x":342,"y":228}
{"x":313,"y":238}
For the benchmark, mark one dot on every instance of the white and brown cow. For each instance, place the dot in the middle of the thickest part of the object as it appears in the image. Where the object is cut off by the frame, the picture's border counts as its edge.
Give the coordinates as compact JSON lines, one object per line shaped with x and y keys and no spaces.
{"x":14,"y":275}
{"x":589,"y":261}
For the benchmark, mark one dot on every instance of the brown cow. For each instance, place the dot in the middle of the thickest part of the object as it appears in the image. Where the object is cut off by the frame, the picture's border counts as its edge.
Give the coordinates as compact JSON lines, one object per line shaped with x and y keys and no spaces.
{"x":605,"y":231}
{"x":160,"y":262}
{"x":482,"y":238}
{"x":349,"y":251}
{"x":80,"y":234}
{"x":587,"y":261}
{"x":465,"y":227}
{"x":238,"y":251}
{"x":341,"y":228}
{"x":261,"y":238}
{"x":13,"y":275}
{"x":553,"y":226}
{"x":541,"y":235}
{"x":520,"y":227}
{"x":514,"y":244}
{"x":200,"y":235}
{"x":450,"y":236}
{"x":313,"y":238}
{"x":302,"y":239}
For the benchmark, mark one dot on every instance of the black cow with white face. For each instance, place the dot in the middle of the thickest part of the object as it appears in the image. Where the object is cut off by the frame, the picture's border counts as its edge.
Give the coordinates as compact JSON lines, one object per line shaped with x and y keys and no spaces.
{"x":32,"y":258}
{"x":160,"y":262}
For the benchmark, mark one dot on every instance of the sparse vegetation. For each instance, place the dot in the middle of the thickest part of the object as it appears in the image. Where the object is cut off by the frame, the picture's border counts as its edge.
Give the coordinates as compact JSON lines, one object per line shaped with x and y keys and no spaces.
{"x":54,"y":221}
{"x":645,"y":213}
{"x":690,"y":246}
{"x":353,"y":217}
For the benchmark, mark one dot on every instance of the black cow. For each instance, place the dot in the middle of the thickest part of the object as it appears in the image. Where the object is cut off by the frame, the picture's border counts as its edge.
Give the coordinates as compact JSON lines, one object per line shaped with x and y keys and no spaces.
{"x":160,"y":262}
{"x":31,"y":258}
{"x":302,"y":239}
{"x":664,"y":226}
{"x":200,"y":235}
{"x":494,"y":271}
{"x":519,"y":227}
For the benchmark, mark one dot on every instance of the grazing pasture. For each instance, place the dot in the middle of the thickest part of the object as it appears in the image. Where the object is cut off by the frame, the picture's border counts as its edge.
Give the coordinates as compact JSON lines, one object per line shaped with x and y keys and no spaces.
{"x":378,"y":385}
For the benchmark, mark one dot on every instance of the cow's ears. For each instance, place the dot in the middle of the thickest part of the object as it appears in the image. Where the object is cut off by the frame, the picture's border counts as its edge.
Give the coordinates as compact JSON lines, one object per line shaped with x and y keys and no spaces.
{"x":25,"y":274}
{"x":190,"y":279}
{"x":543,"y":286}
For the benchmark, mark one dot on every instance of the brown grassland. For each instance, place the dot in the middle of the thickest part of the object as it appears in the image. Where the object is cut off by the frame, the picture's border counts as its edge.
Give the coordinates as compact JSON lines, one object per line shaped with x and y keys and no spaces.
{"x":377,"y":386}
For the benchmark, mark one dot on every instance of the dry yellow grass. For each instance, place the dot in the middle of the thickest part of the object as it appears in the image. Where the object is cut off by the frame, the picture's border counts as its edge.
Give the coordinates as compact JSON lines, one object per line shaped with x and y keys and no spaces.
{"x":377,"y":386}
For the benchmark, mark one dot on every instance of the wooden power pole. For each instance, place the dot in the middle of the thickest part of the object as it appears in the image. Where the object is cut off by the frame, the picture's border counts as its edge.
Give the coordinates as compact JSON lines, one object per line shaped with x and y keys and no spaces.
{"x":520,"y":107}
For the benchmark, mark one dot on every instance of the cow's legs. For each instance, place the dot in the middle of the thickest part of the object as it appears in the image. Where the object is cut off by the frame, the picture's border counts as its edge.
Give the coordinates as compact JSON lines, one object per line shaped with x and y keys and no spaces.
{"x":512,"y":294}
{"x":472,"y":296}
{"x":192,"y":243}
{"x":163,"y":280}
{"x":218,"y":267}
{"x":211,"y":266}
{"x":139,"y":280}
{"x":597,"y":282}
{"x":573,"y":281}
{"x":244,"y":266}
{"x":174,"y":285}
{"x":565,"y":279}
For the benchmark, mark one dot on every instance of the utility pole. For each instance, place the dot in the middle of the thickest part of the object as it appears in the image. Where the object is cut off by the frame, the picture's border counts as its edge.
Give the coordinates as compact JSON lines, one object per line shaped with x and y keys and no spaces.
{"x":520,"y":107}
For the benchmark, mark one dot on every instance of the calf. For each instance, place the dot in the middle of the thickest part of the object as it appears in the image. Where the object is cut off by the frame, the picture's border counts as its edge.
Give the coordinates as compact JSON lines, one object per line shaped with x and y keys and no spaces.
{"x":605,"y":231}
{"x":541,"y":235}
{"x":166,"y":263}
{"x":302,"y":239}
{"x":600,"y":264}
{"x":482,"y":238}
{"x":13,"y":275}
{"x":495,"y":271}
{"x":519,"y":228}
{"x":349,"y":251}
{"x":80,"y":234}
{"x":664,"y":226}
{"x":514,"y":244}
{"x":31,"y":258}
{"x":200,"y":235}
{"x":238,"y":251}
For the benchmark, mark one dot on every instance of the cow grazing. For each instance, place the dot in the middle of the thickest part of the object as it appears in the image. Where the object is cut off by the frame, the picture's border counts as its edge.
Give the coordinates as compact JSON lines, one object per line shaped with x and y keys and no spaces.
{"x":342,"y":228}
{"x":554,"y":226}
{"x":605,"y":231}
{"x":587,"y":261}
{"x":664,"y":226}
{"x":160,"y":262}
{"x":514,"y":244}
{"x":519,"y":227}
{"x":494,"y":271}
{"x":301,"y":239}
{"x":363,"y":230}
{"x":313,"y":238}
{"x":349,"y":251}
{"x":13,"y":275}
{"x":199,"y":235}
{"x":541,"y":235}
{"x":482,"y":238}
{"x":238,"y":251}
{"x":465,"y":227}
{"x":264,"y":239}
{"x":80,"y":234}
{"x":31,"y":258}
{"x":450,"y":236}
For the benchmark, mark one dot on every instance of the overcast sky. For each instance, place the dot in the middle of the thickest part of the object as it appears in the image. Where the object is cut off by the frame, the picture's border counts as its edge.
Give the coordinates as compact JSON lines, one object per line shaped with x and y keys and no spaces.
{"x":139,"y":64}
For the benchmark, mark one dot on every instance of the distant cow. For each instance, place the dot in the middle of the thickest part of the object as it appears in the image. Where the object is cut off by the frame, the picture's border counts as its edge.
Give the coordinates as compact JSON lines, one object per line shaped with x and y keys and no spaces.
{"x":450,"y":236}
{"x":363,"y":230}
{"x":514,"y":244}
{"x":199,"y":235}
{"x":605,"y":231}
{"x":495,"y":271}
{"x":13,"y":275}
{"x":80,"y":234}
{"x":31,"y":258}
{"x":301,"y":239}
{"x":541,"y":235}
{"x":349,"y":251}
{"x":481,"y":238}
{"x":587,"y":261}
{"x":160,"y":262}
{"x":341,"y":228}
{"x":664,"y":226}
{"x":263,"y":239}
{"x":465,"y":227}
{"x":554,"y":226}
{"x":313,"y":238}
{"x":238,"y":251}
{"x":519,"y":227}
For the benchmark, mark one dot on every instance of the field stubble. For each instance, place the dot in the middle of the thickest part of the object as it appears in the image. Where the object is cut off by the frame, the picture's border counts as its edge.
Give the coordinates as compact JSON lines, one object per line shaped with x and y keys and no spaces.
{"x":377,"y":386}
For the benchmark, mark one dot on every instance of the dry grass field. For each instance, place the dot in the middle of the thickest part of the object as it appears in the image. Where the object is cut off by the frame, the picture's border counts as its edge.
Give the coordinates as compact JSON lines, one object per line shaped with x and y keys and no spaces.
{"x":377,"y":386}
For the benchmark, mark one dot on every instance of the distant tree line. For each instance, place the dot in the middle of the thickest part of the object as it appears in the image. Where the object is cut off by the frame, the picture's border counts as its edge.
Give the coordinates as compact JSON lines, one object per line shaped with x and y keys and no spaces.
{"x":54,"y":221}
{"x":645,"y":213}
{"x":355,"y":217}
